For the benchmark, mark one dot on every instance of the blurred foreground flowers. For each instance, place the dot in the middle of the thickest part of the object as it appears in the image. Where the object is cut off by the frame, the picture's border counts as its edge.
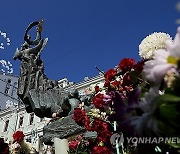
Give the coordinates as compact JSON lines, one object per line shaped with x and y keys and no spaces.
{"x":137,"y":100}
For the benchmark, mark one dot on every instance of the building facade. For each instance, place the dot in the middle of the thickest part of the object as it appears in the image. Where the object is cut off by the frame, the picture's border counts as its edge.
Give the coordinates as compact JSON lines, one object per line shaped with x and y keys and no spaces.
{"x":8,"y":90}
{"x":8,"y":103}
{"x":13,"y":116}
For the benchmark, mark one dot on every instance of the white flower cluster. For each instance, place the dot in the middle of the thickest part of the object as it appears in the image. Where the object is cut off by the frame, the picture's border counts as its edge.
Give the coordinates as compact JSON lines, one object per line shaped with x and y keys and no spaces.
{"x":6,"y":67}
{"x":98,"y":114}
{"x":4,"y":35}
{"x":151,"y":43}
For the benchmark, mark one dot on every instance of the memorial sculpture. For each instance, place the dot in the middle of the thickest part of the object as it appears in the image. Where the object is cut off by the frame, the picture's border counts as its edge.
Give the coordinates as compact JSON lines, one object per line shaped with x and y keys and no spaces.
{"x":41,"y":95}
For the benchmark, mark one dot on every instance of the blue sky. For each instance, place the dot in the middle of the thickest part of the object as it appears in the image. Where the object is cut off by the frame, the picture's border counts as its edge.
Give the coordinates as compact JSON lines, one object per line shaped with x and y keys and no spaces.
{"x":85,"y":33}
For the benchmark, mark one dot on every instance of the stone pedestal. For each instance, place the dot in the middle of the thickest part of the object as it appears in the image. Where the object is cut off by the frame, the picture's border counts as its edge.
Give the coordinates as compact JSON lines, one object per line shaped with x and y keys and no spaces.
{"x":61,"y":146}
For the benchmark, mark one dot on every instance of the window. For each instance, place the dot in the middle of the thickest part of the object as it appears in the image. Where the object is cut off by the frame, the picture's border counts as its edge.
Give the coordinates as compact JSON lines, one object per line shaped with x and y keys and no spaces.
{"x":31,"y":118}
{"x":20,"y":122}
{"x":7,"y":86}
{"x":6,"y":125}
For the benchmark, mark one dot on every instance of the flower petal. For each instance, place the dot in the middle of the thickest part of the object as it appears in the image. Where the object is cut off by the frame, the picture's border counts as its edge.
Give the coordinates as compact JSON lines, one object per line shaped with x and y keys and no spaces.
{"x":174,"y":47}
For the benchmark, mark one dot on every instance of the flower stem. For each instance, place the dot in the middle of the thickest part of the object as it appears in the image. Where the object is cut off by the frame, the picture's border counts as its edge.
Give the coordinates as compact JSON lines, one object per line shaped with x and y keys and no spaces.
{"x":117,"y":146}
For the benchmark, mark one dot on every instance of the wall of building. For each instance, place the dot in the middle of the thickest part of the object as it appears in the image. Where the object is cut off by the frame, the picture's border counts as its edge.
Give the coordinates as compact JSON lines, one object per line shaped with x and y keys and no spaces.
{"x":8,"y":102}
{"x":19,"y":119}
{"x":8,"y":90}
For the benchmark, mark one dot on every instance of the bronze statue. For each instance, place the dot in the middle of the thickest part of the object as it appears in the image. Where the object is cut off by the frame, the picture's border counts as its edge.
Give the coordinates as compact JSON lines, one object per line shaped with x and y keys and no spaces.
{"x":41,"y":95}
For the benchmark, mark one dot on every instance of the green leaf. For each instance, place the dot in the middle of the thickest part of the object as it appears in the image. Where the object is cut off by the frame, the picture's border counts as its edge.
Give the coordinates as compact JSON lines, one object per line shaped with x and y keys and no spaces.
{"x":166,"y":129}
{"x":84,"y":152}
{"x":168,"y":114}
{"x":176,"y":146}
{"x":134,"y":76}
{"x":169,"y":98}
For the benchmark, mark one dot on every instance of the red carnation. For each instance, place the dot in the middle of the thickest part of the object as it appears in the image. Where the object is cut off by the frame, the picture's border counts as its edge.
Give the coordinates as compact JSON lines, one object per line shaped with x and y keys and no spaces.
{"x":18,"y":136}
{"x":115,"y":84}
{"x":139,"y":66}
{"x":102,"y":129}
{"x":110,"y":74}
{"x":79,"y":116}
{"x":104,"y":136}
{"x":100,"y":150}
{"x":127,"y":80}
{"x":87,"y":122}
{"x":73,"y":145}
{"x":107,"y":83}
{"x":97,"y":124}
{"x":98,"y":101}
{"x":126,"y":64}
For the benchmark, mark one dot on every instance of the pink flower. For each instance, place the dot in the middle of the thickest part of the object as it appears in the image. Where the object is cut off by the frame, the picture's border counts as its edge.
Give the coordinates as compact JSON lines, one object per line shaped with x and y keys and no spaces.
{"x":174,"y":47}
{"x":79,"y":137}
{"x":73,"y":145}
{"x":164,"y":60}
{"x":156,"y":69}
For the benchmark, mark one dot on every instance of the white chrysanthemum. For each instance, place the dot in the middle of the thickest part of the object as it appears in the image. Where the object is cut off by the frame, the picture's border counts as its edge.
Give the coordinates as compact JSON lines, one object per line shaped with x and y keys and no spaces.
{"x":151,"y":43}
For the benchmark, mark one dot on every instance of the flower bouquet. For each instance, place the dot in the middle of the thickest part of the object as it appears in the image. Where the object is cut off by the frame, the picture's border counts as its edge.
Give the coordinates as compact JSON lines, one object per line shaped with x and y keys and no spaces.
{"x":137,"y":109}
{"x":18,"y":145}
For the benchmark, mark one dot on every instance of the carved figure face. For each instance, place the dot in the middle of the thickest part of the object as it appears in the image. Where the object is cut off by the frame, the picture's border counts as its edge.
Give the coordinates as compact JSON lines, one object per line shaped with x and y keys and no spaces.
{"x":17,"y":54}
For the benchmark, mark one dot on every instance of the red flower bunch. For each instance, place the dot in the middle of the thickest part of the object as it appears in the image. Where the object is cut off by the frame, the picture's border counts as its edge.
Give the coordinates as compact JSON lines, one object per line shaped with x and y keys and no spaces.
{"x":81,"y":118}
{"x":101,"y":127}
{"x":119,"y":82}
{"x":18,"y":136}
{"x":74,"y":142}
{"x":98,"y":101}
{"x":124,"y":77}
{"x":139,"y":66}
{"x":126,"y":64}
{"x":103,"y":130}
{"x":100,"y":150}
{"x":73,"y":145}
{"x":110,"y":74}
{"x":78,"y":144}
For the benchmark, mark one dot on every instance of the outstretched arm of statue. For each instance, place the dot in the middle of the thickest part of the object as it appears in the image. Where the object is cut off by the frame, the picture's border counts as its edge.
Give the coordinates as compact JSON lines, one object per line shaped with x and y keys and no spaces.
{"x":36,"y":49}
{"x":20,"y":54}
